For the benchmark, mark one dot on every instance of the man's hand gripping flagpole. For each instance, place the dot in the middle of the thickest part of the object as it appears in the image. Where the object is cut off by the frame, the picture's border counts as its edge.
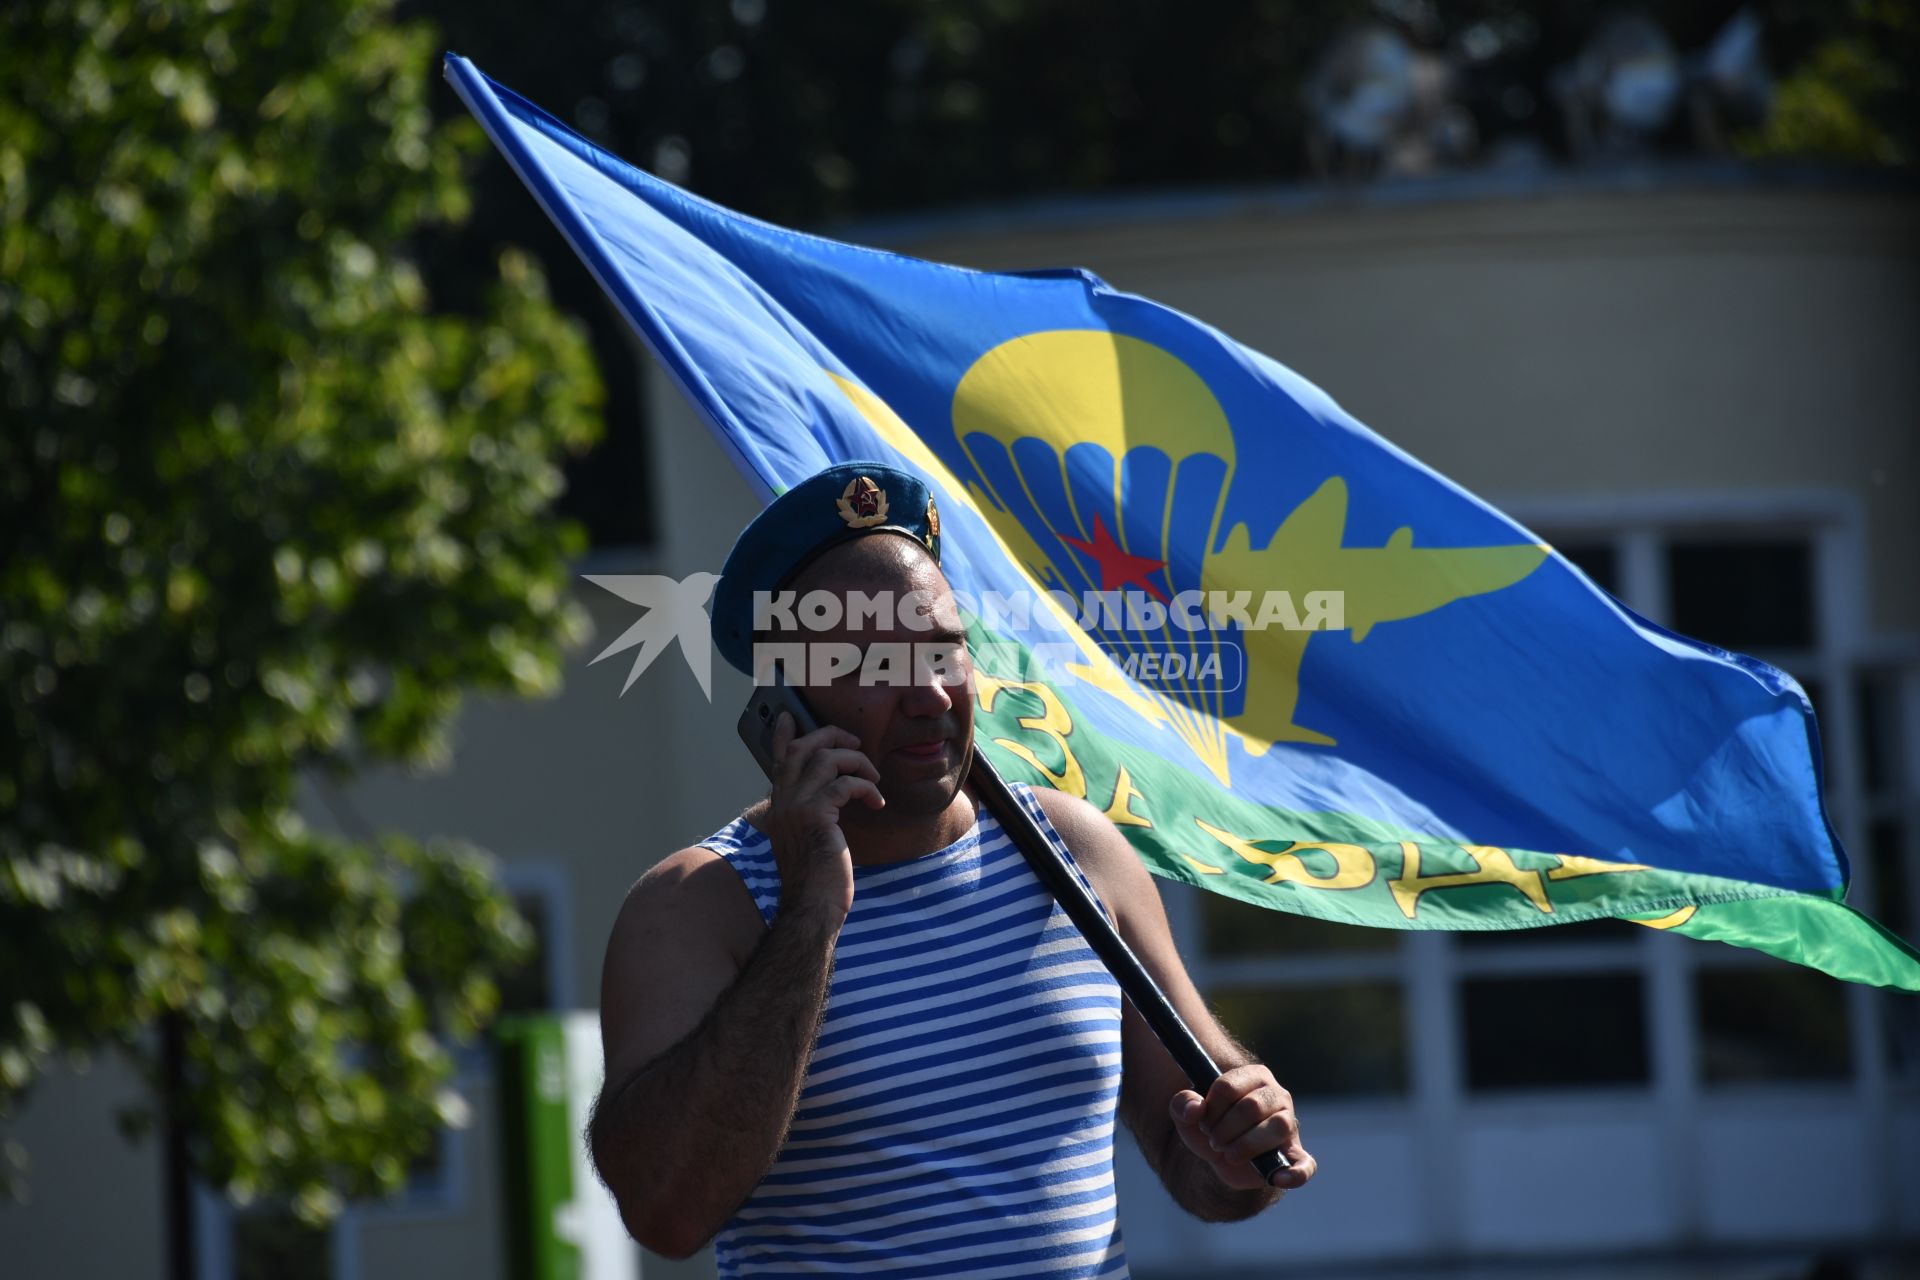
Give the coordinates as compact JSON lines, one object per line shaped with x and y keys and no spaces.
{"x":1051,"y":866}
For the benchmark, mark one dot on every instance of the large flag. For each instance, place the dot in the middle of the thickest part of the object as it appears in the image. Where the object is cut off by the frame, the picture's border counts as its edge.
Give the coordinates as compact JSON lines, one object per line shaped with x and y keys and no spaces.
{"x":1367,"y":696}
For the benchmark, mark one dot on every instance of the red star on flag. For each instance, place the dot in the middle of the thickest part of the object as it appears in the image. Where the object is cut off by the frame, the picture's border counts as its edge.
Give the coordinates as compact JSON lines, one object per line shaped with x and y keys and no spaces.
{"x":1117,"y":568}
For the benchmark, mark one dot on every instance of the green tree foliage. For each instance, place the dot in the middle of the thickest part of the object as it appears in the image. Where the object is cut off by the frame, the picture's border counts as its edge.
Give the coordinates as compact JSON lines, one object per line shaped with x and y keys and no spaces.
{"x":808,"y":113}
{"x":805,"y":113}
{"x":264,"y":514}
{"x":1855,"y":96}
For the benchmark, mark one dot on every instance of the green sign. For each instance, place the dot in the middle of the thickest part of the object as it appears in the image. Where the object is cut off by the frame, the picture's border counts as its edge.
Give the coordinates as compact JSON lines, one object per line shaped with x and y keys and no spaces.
{"x":560,"y":1222}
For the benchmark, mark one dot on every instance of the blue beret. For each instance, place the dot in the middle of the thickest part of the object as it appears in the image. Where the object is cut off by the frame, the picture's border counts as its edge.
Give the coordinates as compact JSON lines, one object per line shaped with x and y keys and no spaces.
{"x":824,"y":510}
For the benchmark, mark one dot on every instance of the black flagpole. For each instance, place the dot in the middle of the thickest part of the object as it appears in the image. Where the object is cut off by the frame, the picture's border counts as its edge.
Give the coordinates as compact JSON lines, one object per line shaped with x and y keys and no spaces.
{"x":1051,"y":866}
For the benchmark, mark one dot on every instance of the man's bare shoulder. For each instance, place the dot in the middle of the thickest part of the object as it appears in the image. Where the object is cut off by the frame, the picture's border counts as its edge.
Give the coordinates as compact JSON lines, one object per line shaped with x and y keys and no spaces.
{"x":686,"y":930}
{"x":692,"y":893}
{"x":1097,"y":845}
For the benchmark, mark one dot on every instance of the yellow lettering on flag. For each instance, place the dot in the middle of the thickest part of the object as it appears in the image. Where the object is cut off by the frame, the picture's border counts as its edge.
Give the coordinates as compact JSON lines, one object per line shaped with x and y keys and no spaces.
{"x":1491,"y":866}
{"x":1572,"y":867}
{"x":1668,"y":921}
{"x":1120,"y":813}
{"x":1353,"y":866}
{"x":1053,"y":722}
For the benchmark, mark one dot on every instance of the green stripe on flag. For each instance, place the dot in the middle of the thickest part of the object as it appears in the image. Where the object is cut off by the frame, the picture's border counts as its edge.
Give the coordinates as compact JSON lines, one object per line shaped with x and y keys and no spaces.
{"x":1810,"y":930}
{"x":1350,"y":869}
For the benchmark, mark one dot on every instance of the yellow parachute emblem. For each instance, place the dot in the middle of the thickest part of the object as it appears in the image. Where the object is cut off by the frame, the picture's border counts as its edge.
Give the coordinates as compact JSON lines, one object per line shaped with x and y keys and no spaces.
{"x":1028,"y":403}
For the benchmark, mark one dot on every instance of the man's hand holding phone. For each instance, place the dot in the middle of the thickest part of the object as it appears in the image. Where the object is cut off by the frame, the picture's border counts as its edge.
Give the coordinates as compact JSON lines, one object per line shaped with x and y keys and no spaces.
{"x":815,"y":776}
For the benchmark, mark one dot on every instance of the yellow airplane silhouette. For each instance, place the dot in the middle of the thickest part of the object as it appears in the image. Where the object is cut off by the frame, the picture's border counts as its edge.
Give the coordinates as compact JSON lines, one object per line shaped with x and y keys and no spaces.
{"x":1380,"y":584}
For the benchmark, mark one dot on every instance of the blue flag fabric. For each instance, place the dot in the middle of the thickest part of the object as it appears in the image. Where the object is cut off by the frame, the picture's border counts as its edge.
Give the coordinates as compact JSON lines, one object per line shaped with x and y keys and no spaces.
{"x":1459,"y":730}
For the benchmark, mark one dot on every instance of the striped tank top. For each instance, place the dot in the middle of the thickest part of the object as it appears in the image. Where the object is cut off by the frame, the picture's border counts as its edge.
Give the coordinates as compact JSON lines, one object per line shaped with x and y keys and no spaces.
{"x":958,"y":1113}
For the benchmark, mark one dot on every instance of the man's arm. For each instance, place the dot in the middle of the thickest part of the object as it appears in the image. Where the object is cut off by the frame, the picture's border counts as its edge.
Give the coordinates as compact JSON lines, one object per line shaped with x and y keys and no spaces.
{"x":707,"y":1032}
{"x":1245,"y":1112}
{"x":706,"y":1055}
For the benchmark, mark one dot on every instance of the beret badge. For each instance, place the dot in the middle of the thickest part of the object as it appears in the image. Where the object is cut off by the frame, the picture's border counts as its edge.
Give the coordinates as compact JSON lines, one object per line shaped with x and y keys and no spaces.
{"x":863,"y":504}
{"x":842,"y":503}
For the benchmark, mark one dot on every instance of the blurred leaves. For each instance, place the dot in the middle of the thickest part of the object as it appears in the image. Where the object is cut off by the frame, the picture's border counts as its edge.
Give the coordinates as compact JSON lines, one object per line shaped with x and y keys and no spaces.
{"x":1853,"y":97}
{"x":807,"y":113}
{"x":265,"y":513}
{"x":801,"y":113}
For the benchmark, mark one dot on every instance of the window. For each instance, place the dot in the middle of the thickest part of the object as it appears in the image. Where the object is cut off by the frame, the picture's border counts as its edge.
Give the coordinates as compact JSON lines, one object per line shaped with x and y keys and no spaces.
{"x":1754,"y":597}
{"x":1556,"y":1032}
{"x":1336,"y":1039}
{"x":531,"y":987}
{"x":263,"y":1241}
{"x":1777,"y":1023}
{"x":1890,"y":862}
{"x":1342,"y":1031}
{"x":1238,"y":930}
{"x":1598,"y":560}
{"x":1584,"y":933}
{"x":1563,"y":1007}
{"x":1890,"y":854}
{"x":272,"y":1244}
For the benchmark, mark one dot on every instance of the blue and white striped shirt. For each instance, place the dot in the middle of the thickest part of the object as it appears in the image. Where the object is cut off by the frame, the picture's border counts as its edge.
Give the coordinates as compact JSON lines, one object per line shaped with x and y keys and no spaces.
{"x":958,"y":1113}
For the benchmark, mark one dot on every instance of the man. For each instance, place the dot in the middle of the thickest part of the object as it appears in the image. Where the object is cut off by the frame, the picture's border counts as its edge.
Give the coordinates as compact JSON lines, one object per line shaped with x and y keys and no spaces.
{"x":849,"y":1033}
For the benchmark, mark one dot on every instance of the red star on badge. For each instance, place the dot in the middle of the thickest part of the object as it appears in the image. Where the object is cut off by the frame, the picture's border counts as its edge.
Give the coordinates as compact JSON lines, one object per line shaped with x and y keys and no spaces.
{"x":1117,"y":568}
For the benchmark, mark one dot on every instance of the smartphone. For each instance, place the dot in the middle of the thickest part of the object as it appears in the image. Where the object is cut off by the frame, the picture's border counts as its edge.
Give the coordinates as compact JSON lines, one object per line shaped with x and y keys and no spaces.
{"x":763,"y":712}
